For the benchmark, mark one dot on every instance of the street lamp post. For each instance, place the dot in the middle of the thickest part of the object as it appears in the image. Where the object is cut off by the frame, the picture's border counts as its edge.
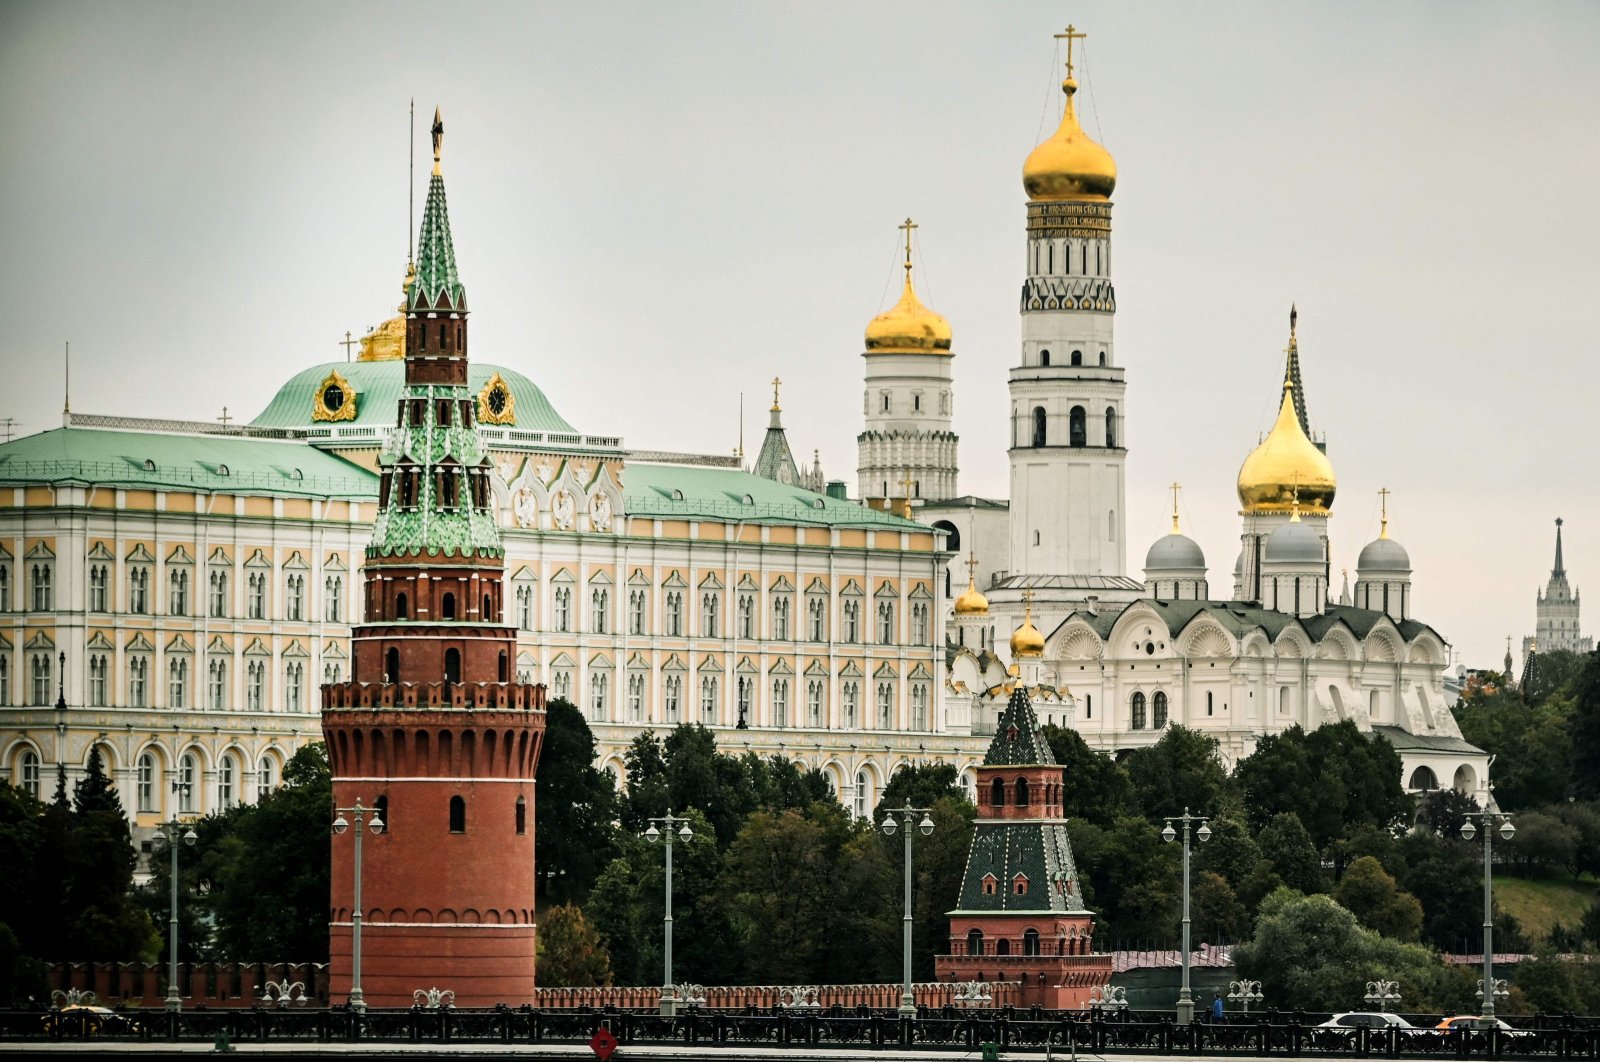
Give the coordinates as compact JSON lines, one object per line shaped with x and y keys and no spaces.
{"x":173,"y":831}
{"x":1490,"y":815}
{"x":358,"y":812}
{"x":669,"y":999}
{"x":1185,"y":822}
{"x":908,"y":1005}
{"x":1245,"y":993}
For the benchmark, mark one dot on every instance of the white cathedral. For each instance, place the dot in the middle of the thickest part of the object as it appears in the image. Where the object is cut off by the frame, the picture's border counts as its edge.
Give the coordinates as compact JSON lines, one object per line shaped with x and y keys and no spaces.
{"x":1117,"y":657}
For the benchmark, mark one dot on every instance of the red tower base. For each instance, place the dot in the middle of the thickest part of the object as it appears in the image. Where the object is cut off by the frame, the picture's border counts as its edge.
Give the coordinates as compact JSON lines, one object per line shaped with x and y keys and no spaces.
{"x":483,"y":965}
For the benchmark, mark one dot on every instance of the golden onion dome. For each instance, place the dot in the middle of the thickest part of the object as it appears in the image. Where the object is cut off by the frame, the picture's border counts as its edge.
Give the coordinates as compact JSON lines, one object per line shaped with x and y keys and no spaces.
{"x":1287,"y":471}
{"x":1026,"y":640}
{"x":908,"y":327}
{"x":1069,"y":165}
{"x":972,"y":602}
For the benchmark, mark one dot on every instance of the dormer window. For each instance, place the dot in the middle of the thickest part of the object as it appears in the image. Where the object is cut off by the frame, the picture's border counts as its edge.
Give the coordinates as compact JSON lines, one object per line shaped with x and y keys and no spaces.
{"x":991,"y":884}
{"x":1019,"y":885}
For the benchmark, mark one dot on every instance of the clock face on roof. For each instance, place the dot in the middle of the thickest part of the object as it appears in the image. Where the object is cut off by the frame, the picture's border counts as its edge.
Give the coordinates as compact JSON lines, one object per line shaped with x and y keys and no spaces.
{"x":496,"y":405}
{"x":335,"y":399}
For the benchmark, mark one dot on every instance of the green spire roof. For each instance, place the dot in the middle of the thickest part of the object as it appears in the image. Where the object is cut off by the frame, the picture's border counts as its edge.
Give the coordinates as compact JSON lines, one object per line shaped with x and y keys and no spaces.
{"x":437,"y":286}
{"x":1017,"y":741}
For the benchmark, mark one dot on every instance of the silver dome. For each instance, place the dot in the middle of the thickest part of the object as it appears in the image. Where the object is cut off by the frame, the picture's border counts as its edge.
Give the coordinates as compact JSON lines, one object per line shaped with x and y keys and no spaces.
{"x":1174,"y":552}
{"x":1293,"y":543}
{"x":1383,"y":555}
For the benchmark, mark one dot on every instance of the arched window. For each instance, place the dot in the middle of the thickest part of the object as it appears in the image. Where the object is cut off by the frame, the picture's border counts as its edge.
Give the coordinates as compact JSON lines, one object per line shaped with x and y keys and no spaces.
{"x":227,"y":775}
{"x":1138,"y":711}
{"x":452,"y":665}
{"x":391,"y":664}
{"x":1077,"y":429}
{"x":1102,"y":358}
{"x":1002,"y":946}
{"x":1030,"y":942}
{"x":997,"y":794}
{"x":188,"y":782}
{"x":1208,"y":702}
{"x":975,"y":942}
{"x":522,"y":815}
{"x":1038,"y":426}
{"x":1111,"y":427}
{"x":1077,"y":357}
{"x":505,"y":667}
{"x":448,"y":606}
{"x":1423,"y":778}
{"x":400,"y":606}
{"x":30,"y":773}
{"x":1158,"y":711}
{"x":1022,"y":793}
{"x":380,"y":811}
{"x":458,"y":815}
{"x":147,"y":783}
{"x":1044,"y":358}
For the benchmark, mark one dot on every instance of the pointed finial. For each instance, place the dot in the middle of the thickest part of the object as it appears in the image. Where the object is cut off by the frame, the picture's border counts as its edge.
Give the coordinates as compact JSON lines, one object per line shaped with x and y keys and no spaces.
{"x":908,"y":226}
{"x":1383,"y":502}
{"x":1294,"y":515}
{"x":1069,"y":36}
{"x":1175,"y":488}
{"x":905,"y":502}
{"x":438,"y":138}
{"x":776,"y":383}
{"x":972,"y":570}
{"x":1294,"y":315}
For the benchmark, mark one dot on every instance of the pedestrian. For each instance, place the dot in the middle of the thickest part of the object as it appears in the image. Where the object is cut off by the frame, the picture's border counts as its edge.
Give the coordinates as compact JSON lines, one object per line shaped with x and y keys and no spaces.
{"x":1216,"y":1006}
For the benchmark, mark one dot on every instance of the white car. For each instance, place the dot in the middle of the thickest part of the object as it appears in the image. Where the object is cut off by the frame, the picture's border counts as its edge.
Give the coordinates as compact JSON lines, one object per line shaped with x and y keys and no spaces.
{"x":1370,"y":1018}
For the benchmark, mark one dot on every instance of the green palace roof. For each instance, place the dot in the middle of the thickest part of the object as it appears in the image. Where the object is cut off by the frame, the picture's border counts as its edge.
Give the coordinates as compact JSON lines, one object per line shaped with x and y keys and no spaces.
{"x":156,"y":461}
{"x":735,"y":496}
{"x":378,"y":386}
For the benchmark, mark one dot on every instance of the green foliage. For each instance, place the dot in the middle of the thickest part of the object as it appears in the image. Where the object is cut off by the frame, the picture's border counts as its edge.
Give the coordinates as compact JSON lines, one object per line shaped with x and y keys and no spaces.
{"x":1446,"y":876}
{"x":1096,"y":789}
{"x":1218,"y":915}
{"x":1370,"y":893}
{"x":1585,"y":730}
{"x":1333,"y":779}
{"x":1541,"y":840}
{"x":1317,"y":957}
{"x":1287,"y":849}
{"x":95,"y":791}
{"x":1231,"y":853}
{"x":1179,"y":772}
{"x":573,"y":835}
{"x":570,"y":951}
{"x":1559,"y":984}
{"x":1444,"y":811}
{"x":1132,"y":878}
{"x":919,"y":785}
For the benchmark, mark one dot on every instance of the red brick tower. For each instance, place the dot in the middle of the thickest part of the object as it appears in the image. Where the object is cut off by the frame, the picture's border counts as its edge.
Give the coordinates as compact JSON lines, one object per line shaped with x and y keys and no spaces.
{"x":1020,"y":916}
{"x":431,"y":730}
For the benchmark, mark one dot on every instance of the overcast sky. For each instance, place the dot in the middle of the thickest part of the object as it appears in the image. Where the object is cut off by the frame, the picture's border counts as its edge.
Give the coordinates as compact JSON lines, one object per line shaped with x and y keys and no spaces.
{"x":658,"y":206}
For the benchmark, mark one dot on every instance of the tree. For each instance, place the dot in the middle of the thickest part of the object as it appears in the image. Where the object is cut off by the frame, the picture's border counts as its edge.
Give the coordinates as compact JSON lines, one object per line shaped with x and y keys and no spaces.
{"x":271,"y":868}
{"x":1132,"y":878}
{"x":1368,"y":891}
{"x":1179,"y":772}
{"x":1095,"y":789}
{"x":1231,"y":852}
{"x":1287,"y":848}
{"x":1444,"y":811}
{"x":95,"y":791}
{"x":571,"y":953}
{"x":1585,"y":731}
{"x":572,"y":825}
{"x":1333,"y":779}
{"x":1317,"y":957}
{"x":1541,"y":840}
{"x":1554,"y":674}
{"x":1584,"y":818}
{"x":1446,"y":877}
{"x":919,"y":785}
{"x":1218,"y":915}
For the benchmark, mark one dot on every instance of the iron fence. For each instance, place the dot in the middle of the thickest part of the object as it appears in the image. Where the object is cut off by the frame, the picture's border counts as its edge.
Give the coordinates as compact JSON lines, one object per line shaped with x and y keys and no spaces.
{"x":947,"y":1029}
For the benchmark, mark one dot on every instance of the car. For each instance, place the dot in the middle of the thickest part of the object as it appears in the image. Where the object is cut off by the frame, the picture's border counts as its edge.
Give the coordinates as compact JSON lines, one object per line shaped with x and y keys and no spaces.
{"x":1478,"y":1022}
{"x":95,"y":1020}
{"x":1372,"y":1019}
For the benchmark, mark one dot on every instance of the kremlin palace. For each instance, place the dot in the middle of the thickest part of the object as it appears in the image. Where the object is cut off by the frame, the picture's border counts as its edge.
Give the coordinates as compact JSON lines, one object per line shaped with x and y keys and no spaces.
{"x":178,"y":595}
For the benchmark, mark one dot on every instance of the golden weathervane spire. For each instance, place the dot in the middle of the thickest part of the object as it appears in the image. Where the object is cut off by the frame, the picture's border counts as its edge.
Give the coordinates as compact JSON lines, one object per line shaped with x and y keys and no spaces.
{"x":1383,"y":502}
{"x":438,"y":138}
{"x":908,"y":226}
{"x":776,"y":383}
{"x":1175,"y":488}
{"x":905,"y":502}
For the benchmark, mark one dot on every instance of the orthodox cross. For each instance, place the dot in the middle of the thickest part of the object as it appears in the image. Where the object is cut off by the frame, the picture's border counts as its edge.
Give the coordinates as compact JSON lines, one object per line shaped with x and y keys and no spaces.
{"x":1175,"y":488}
{"x":347,"y":344}
{"x":1383,"y":502}
{"x":1071,"y":35}
{"x":776,"y":383}
{"x":907,"y":227}
{"x":905,"y":505}
{"x":972,"y":567}
{"x":225,"y":419}
{"x":1027,"y":599}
